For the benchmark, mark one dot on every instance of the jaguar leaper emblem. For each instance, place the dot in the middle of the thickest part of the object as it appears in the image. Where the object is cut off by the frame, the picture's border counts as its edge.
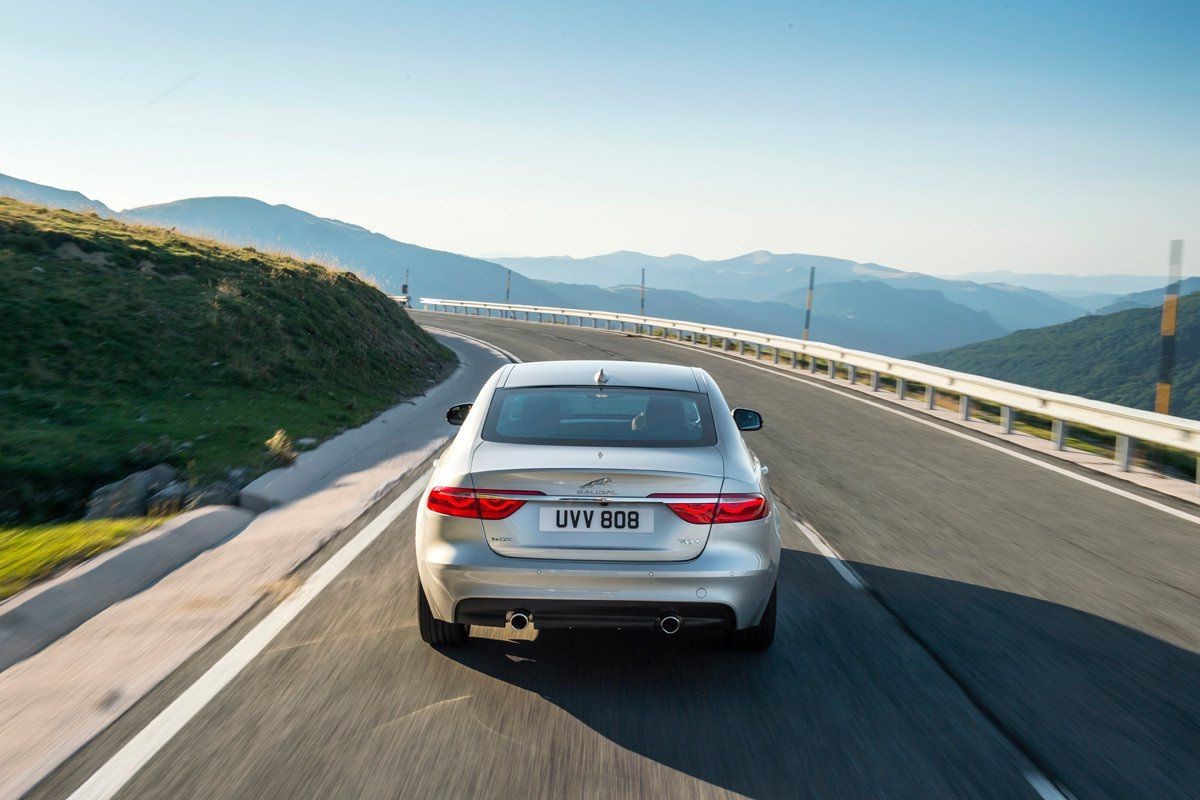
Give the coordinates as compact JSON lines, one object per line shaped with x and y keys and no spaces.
{"x":595,"y":483}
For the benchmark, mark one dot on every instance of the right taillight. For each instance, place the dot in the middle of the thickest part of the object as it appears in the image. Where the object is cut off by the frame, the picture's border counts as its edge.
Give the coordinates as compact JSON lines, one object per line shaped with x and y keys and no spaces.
{"x":457,"y":501}
{"x":741,"y":507}
{"x":703,"y":510}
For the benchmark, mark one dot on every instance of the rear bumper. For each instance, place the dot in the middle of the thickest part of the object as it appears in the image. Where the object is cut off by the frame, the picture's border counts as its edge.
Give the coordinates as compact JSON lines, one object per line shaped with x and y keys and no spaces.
{"x":494,"y":613}
{"x":729,"y":582}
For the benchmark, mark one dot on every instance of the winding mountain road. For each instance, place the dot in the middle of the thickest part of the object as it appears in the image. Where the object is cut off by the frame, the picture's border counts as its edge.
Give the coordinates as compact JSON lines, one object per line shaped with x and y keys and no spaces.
{"x":995,"y":630}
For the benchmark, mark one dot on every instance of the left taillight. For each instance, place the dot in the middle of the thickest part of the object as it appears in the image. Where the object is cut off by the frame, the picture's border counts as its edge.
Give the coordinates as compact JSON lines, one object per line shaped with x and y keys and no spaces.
{"x":458,"y":501}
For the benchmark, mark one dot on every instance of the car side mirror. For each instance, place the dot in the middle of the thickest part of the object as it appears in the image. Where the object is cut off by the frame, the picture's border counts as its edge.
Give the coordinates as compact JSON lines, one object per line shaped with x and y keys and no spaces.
{"x":457,"y":415}
{"x":747,"y":420}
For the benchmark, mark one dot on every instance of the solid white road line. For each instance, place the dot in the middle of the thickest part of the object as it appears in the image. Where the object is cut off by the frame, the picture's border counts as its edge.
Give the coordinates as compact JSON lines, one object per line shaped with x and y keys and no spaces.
{"x":488,"y":345}
{"x":1047,"y":790}
{"x":125,"y":763}
{"x":845,"y":570}
{"x":817,"y":384}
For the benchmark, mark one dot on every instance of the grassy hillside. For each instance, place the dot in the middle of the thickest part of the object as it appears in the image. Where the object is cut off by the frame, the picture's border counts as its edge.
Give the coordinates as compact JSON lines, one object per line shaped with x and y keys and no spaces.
{"x":124,"y":346}
{"x":1113,"y":357}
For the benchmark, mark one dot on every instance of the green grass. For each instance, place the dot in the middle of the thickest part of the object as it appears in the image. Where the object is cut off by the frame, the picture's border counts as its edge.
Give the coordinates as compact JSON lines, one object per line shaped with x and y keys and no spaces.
{"x":162,"y":347}
{"x":30,"y":553}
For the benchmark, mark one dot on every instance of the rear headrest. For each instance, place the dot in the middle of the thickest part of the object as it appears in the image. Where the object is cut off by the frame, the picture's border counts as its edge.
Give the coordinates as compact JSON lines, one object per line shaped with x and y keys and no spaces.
{"x":542,"y":411}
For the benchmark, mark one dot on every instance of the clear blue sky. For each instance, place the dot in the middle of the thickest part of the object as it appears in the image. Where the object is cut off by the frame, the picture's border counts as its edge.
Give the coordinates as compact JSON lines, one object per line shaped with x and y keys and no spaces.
{"x":942,"y":137}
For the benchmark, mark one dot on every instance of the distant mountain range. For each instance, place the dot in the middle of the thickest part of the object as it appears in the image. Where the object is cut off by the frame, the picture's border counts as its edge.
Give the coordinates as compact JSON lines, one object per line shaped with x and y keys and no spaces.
{"x":778,"y":276}
{"x":865,"y":306}
{"x":1112,"y":357}
{"x":868,"y":315}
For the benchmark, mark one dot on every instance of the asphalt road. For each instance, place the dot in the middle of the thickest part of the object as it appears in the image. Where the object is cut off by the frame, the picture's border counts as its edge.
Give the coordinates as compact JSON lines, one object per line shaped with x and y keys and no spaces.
{"x":1017,"y":625}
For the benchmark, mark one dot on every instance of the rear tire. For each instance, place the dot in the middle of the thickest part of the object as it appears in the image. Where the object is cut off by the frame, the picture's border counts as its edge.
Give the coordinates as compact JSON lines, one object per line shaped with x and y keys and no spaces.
{"x":756,"y":637}
{"x":433,"y":630}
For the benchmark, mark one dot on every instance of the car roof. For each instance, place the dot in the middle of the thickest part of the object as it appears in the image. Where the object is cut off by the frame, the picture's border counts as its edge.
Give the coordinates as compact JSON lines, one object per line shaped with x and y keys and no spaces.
{"x":640,"y":374}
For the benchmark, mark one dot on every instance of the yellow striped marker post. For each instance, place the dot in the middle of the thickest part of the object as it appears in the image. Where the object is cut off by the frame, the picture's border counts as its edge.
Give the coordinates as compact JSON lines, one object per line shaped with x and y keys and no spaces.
{"x":1170,"y":312}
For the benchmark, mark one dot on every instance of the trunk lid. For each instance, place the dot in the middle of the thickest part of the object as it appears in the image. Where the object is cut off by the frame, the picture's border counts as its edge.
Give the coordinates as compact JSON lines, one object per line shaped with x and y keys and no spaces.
{"x":579,"y":485}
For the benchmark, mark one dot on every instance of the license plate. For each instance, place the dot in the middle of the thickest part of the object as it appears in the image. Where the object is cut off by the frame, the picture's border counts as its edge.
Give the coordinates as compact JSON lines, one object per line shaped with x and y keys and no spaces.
{"x":585,"y":519}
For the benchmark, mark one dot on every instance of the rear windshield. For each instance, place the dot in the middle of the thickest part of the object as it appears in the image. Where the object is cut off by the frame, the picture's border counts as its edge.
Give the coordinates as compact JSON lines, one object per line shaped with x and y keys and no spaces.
{"x":587,"y":415}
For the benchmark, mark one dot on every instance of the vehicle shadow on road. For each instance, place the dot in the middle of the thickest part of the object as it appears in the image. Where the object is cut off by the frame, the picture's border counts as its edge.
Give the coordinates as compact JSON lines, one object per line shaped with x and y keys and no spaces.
{"x":851,"y":703}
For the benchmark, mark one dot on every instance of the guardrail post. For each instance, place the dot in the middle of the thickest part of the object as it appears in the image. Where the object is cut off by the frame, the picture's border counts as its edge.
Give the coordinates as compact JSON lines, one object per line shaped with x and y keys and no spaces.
{"x":851,"y":373}
{"x":812,"y":364}
{"x":964,"y":406}
{"x":1125,"y":447}
{"x":1058,"y":434}
{"x":757,"y":352}
{"x":901,"y":388}
{"x":930,"y":397}
{"x":832,"y":368}
{"x":1006,"y":419}
{"x":776,"y":355}
{"x":793,"y":359}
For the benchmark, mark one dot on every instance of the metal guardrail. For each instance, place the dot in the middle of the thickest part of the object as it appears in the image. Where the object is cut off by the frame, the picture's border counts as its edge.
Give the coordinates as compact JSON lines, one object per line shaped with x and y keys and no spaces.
{"x":1128,"y":424}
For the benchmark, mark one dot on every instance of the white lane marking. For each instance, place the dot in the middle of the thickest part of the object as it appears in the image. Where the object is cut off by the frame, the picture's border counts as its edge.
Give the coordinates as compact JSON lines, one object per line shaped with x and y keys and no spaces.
{"x":125,"y":763}
{"x":845,"y":570}
{"x":1045,"y":789}
{"x":494,"y":348}
{"x":816,"y":384}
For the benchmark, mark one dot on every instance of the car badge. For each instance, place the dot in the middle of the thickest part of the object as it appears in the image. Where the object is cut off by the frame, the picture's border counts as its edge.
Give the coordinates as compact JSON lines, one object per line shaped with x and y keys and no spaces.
{"x":599,"y":454}
{"x":597,"y":482}
{"x":601,"y":378}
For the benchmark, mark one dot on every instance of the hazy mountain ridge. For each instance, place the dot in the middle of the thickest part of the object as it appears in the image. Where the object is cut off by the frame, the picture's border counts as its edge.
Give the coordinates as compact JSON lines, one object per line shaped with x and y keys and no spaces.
{"x":51,"y":197}
{"x":1111,"y":283}
{"x":432,"y":273}
{"x":1147,"y":299}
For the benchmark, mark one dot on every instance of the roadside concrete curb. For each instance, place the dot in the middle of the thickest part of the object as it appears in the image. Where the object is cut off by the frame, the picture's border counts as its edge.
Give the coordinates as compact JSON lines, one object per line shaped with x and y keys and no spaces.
{"x":42,"y":614}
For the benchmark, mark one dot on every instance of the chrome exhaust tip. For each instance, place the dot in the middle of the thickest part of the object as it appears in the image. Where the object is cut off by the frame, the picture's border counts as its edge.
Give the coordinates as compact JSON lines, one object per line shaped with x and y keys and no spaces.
{"x":518,"y":619}
{"x":669,"y":624}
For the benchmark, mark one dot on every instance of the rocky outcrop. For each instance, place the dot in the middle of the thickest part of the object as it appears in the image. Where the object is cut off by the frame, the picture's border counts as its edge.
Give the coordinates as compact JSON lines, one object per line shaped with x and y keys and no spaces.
{"x":220,"y":493}
{"x":129,"y":497}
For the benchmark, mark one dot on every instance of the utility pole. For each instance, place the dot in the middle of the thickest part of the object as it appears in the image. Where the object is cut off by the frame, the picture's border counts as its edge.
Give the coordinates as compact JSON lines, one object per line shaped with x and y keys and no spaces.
{"x":812,"y":274}
{"x":1170,"y":311}
{"x":643,"y":303}
{"x":507,"y":288}
{"x":404,"y":290}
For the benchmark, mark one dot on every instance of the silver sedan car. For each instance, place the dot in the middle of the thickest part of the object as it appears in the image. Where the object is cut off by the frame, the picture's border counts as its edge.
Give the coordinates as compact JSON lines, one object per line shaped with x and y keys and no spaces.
{"x":599,"y":494}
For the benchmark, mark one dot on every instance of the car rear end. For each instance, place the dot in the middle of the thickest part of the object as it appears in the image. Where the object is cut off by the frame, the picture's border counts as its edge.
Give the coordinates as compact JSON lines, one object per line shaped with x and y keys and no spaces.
{"x":599,"y":504}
